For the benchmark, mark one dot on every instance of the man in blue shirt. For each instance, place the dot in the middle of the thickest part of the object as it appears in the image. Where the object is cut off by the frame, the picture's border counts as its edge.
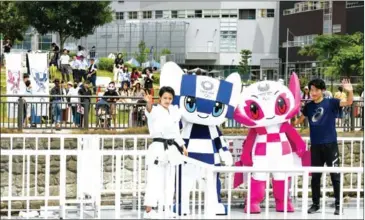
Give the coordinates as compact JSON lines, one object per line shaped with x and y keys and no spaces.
{"x":321,"y":113}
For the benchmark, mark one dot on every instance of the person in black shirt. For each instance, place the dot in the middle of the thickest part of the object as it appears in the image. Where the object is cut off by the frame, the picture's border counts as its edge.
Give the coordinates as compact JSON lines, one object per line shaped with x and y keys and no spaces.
{"x":118,"y":62}
{"x":111,"y":91}
{"x":7,"y":46}
{"x":85,"y":101}
{"x":56,"y":102}
{"x":56,"y":55}
{"x":148,"y":82}
{"x":91,"y":73}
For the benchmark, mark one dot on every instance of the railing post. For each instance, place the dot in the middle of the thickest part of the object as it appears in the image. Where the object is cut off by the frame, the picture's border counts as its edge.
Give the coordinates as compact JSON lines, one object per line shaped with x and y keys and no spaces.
{"x":353,"y":116}
{"x":209,"y":207}
{"x":20,"y":113}
{"x":86,"y":115}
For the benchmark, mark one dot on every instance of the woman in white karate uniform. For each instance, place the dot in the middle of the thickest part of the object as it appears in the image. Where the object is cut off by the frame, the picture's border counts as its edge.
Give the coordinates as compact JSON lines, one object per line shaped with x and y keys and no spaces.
{"x":165,"y":152}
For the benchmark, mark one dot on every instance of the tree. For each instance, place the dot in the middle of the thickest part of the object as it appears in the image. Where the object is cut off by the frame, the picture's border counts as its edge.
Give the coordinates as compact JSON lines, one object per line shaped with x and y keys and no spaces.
{"x":143,"y":51}
{"x":68,"y":18}
{"x":243,"y":67}
{"x":340,"y":54}
{"x":13,"y":24}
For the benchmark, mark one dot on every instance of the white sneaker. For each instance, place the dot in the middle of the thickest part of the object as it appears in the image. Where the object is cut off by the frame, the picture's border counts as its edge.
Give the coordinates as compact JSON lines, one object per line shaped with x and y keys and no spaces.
{"x":151,"y":215}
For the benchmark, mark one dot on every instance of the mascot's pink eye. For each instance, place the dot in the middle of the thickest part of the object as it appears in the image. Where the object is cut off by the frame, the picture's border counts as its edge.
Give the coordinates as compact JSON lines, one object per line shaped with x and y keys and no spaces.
{"x":281,"y":106}
{"x":253,"y":110}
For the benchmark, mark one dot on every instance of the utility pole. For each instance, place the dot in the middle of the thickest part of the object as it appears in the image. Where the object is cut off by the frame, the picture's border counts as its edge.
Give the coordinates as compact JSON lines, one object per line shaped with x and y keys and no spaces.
{"x":287,"y":56}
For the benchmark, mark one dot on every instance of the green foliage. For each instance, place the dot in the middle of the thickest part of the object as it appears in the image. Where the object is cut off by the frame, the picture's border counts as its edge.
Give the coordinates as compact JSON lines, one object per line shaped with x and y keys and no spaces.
{"x":143,"y":51}
{"x":68,"y":18}
{"x":303,"y":81}
{"x":156,"y":78}
{"x":243,"y":67}
{"x":341,"y":54}
{"x":106,"y":64}
{"x":13,"y":24}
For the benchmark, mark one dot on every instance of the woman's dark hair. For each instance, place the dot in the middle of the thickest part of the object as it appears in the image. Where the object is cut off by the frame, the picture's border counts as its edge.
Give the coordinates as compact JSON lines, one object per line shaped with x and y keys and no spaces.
{"x":27,"y":83}
{"x":318,"y":83}
{"x":167,"y":89}
{"x":340,"y":88}
{"x":75,"y":85}
{"x":64,"y":50}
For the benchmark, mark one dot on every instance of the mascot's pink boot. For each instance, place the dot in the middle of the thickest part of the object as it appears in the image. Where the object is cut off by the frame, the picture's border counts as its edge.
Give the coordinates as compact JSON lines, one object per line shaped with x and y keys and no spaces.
{"x":278,"y":190}
{"x":257,"y":195}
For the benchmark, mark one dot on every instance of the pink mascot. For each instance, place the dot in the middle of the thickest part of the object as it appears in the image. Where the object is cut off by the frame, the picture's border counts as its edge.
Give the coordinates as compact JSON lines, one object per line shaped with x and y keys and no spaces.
{"x":266,"y":107}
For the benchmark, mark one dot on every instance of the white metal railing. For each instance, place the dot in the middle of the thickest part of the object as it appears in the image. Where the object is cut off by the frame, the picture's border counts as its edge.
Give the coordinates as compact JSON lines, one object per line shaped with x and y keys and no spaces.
{"x":120,"y":161}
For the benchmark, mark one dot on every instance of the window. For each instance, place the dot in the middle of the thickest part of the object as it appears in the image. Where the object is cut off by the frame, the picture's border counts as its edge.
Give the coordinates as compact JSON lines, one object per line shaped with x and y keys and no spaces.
{"x":353,"y":4}
{"x":119,"y":15}
{"x":190,"y":14}
{"x":198,"y":13}
{"x":44,"y":42}
{"x":229,"y":13}
{"x":173,"y":14}
{"x":181,"y":14}
{"x":132,"y":15}
{"x":270,"y":13}
{"x":166,"y":14}
{"x":228,"y":35}
{"x":211,"y":13}
{"x":304,"y":7}
{"x":266,"y":13}
{"x":147,"y":14}
{"x":26,"y":44}
{"x":120,"y":2}
{"x":336,"y":28}
{"x":158,"y":14}
{"x":249,"y":14}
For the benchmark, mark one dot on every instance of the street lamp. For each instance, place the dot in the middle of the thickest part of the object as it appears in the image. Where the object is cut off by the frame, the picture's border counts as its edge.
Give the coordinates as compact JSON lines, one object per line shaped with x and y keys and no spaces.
{"x":287,"y":55}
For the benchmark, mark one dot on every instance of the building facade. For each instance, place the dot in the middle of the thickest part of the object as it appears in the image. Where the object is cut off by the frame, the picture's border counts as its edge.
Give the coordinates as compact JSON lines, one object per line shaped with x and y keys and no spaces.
{"x":301,"y":22}
{"x":204,"y":34}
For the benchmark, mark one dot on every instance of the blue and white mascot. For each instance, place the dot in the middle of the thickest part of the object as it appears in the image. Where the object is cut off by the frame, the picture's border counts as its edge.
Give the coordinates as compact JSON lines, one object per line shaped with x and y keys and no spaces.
{"x":205,"y":103}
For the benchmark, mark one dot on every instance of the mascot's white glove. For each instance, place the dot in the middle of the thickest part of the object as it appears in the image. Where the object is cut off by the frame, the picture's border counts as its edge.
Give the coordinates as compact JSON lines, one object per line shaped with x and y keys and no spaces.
{"x":226,"y":157}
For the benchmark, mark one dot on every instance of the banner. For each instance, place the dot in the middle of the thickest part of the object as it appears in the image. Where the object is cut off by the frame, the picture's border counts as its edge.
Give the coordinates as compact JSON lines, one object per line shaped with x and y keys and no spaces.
{"x":39,"y":77}
{"x":13,"y":80}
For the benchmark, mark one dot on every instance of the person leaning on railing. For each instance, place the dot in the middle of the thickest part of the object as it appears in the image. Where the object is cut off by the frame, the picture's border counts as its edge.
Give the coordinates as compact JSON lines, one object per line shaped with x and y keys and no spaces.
{"x":85,"y":101}
{"x":111,"y":91}
{"x":321,"y":114}
{"x":56,"y":102}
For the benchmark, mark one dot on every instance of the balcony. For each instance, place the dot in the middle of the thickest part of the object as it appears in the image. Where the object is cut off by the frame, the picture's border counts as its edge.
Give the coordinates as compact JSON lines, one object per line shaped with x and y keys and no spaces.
{"x":208,"y":52}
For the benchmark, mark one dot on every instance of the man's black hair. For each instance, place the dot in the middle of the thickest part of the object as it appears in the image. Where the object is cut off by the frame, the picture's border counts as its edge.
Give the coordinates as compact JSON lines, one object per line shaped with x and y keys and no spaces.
{"x":318,"y":83}
{"x":167,"y":89}
{"x":25,"y":76}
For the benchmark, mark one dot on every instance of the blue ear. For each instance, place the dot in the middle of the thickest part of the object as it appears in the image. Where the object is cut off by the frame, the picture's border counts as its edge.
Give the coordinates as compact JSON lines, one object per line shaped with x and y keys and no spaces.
{"x":176,"y":100}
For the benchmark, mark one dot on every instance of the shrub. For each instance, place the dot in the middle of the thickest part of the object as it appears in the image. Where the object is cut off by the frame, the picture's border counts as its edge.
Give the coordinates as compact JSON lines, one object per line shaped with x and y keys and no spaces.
{"x":156,"y":78}
{"x":106,"y":64}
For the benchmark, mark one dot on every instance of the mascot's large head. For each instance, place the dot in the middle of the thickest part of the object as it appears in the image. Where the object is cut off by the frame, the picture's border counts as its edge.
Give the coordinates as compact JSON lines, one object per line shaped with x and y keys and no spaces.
{"x":202,"y":99}
{"x":268,"y":102}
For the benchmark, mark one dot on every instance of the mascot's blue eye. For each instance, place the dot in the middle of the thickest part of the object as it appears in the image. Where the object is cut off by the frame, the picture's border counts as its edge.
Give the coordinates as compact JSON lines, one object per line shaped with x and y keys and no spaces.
{"x":190,"y":104}
{"x":218,"y":109}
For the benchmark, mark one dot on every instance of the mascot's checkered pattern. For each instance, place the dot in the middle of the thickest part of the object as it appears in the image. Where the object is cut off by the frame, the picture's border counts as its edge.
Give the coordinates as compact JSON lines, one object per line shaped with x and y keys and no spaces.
{"x":205,"y":103}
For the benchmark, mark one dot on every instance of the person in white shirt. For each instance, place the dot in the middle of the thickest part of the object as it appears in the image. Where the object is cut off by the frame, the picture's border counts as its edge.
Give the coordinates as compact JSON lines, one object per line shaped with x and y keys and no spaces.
{"x":65,"y":65}
{"x":83,"y":65}
{"x":125,"y":77}
{"x":165,"y":152}
{"x":73,"y":91}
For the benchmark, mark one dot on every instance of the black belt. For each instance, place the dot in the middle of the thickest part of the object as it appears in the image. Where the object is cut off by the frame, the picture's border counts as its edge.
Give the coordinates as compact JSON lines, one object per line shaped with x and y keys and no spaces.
{"x":167,"y":142}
